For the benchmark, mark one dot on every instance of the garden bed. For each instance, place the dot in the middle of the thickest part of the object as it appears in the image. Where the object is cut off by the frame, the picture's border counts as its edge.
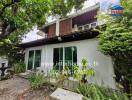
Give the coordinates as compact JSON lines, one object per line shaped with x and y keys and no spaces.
{"x":18,"y":88}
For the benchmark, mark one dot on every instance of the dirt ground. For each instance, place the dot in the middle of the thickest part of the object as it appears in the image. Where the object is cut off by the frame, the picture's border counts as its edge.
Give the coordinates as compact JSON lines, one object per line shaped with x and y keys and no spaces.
{"x":18,"y":88}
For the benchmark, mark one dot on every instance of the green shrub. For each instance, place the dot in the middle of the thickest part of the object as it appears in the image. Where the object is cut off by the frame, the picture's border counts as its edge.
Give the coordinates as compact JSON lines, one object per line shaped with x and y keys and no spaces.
{"x":58,"y":77}
{"x":37,"y":80}
{"x":19,"y":68}
{"x":84,"y":72}
{"x":94,"y":92}
{"x":54,"y":73}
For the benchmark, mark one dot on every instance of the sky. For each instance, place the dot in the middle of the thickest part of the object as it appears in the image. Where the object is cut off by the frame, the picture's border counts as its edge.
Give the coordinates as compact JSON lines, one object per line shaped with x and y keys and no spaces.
{"x":104,"y":4}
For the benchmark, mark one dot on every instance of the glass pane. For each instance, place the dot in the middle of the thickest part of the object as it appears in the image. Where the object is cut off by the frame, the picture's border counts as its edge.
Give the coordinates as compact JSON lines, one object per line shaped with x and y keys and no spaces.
{"x":74,"y":49}
{"x":37,"y":60}
{"x":56,"y":58}
{"x":68,"y":58}
{"x":61,"y":58}
{"x":30,"y":60}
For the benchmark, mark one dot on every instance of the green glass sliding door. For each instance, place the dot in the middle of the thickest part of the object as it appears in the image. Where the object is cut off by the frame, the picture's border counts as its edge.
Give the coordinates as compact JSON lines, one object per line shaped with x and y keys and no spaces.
{"x":66,"y":56}
{"x":34,"y":59}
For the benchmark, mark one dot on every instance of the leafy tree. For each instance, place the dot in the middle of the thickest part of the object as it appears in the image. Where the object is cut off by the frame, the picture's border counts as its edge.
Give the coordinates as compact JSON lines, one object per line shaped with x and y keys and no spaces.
{"x":116,"y":41}
{"x":17,"y":17}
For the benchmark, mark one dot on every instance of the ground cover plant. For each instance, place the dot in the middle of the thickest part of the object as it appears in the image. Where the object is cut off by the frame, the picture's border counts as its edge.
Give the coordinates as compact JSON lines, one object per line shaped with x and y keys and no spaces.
{"x":94,"y":92}
{"x":37,"y":79}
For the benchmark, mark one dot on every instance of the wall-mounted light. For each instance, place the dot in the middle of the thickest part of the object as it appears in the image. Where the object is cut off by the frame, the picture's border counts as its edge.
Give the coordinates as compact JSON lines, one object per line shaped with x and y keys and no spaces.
{"x":59,"y":38}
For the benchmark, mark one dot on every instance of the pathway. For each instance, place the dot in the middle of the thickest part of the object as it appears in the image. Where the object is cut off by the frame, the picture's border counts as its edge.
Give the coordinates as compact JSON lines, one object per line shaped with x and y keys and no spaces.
{"x":11,"y":88}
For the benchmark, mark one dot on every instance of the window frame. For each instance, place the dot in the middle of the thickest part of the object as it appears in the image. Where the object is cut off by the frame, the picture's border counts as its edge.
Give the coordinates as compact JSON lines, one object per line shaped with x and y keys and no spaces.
{"x":64,"y":57}
{"x":34,"y":57}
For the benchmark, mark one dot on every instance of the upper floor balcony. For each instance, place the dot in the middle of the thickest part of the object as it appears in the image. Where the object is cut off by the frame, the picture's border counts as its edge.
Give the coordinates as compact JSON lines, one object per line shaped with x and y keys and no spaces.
{"x":82,"y":20}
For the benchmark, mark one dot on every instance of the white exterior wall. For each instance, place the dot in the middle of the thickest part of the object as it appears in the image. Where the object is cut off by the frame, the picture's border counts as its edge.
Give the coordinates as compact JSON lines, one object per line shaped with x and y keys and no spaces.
{"x":85,"y":49}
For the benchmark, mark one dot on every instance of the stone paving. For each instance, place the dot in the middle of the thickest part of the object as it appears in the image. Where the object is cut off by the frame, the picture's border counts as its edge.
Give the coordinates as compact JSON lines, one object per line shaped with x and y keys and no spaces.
{"x":10,"y":89}
{"x":61,"y":94}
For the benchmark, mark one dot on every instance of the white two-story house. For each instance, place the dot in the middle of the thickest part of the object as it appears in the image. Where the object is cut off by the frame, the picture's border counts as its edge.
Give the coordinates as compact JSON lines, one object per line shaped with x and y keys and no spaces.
{"x":66,"y":42}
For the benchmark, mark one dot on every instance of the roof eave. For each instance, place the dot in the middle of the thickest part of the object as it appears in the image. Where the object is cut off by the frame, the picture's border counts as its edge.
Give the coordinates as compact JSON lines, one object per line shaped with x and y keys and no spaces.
{"x":82,"y":35}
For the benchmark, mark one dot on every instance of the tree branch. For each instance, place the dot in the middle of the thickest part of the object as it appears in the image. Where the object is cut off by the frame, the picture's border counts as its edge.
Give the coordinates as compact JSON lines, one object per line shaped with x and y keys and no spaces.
{"x":6,"y":30}
{"x":8,"y":5}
